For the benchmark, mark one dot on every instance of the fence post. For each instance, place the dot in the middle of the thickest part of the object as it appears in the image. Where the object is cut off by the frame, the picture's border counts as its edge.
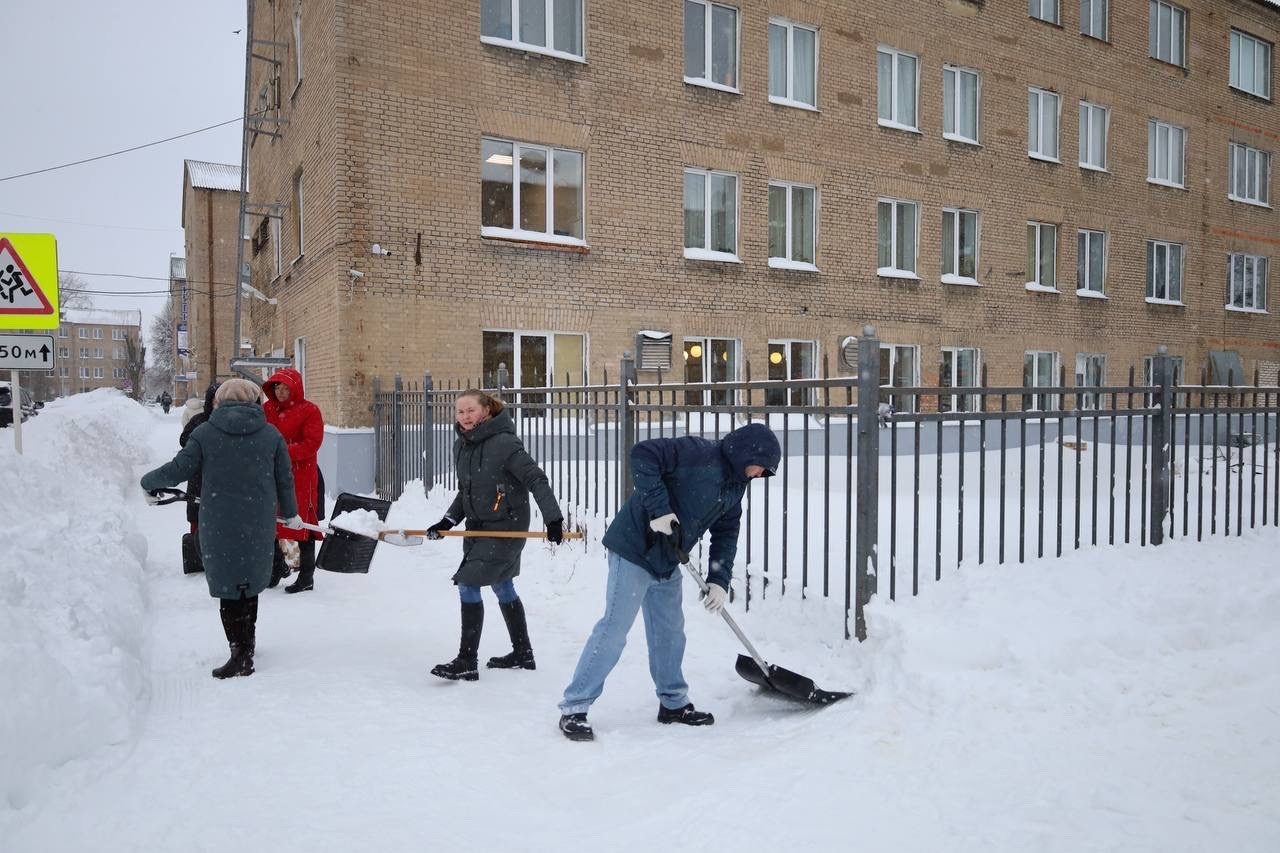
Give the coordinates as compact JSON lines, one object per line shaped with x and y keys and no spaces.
{"x":504,"y":377}
{"x":397,"y":437}
{"x":868,"y":474}
{"x":379,"y":442}
{"x":626,"y":423}
{"x":428,"y":433}
{"x":1160,"y":437}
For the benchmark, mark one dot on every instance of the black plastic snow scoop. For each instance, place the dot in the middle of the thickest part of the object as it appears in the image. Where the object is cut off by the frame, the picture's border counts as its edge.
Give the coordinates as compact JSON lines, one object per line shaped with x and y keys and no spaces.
{"x":755,"y":669}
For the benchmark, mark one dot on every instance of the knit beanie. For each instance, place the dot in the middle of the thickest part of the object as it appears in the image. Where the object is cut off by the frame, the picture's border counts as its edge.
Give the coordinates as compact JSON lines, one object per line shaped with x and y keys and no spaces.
{"x":237,"y":391}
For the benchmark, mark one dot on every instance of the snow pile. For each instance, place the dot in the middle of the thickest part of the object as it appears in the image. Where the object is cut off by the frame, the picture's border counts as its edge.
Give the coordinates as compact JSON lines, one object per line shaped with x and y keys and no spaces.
{"x":71,"y":596}
{"x":363,"y":522}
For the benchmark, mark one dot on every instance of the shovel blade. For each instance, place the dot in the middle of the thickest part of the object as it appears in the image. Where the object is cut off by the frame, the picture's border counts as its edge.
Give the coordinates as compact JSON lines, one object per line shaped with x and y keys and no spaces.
{"x":789,"y":684}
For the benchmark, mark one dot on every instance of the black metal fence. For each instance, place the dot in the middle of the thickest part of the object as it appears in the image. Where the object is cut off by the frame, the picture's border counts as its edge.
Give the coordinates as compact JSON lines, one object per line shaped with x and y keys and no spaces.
{"x":871,"y":499}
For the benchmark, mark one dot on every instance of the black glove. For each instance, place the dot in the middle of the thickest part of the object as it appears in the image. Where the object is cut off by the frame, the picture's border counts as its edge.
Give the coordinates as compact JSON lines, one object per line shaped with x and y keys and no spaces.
{"x":446,"y":523}
{"x":555,"y":532}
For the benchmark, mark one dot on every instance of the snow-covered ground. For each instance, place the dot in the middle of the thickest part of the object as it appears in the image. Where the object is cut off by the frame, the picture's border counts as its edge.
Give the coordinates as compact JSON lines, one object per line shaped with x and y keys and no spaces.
{"x":1122,"y":699}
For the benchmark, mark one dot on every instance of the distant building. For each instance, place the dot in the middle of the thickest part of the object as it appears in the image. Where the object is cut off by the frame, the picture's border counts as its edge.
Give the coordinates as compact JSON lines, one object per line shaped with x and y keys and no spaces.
{"x":93,"y":347}
{"x":180,"y":310}
{"x":210,"y":207}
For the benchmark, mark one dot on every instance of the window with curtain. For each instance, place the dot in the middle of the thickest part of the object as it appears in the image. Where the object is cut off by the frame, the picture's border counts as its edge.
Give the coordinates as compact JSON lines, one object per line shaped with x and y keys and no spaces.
{"x":1091,"y":262}
{"x":959,"y":246}
{"x":552,"y":27}
{"x":791,"y":360}
{"x":1249,"y":174}
{"x":1164,"y":272}
{"x":1042,"y":256}
{"x":1043,"y":10}
{"x":960,"y":104}
{"x":1250,"y":64}
{"x":1247,"y":282}
{"x":897,"y":238}
{"x":793,"y":226}
{"x":899,"y":368}
{"x":1094,"y":123}
{"x":1166,"y":146}
{"x":710,"y":215}
{"x":1039,"y":370}
{"x":897,"y":77}
{"x":1091,"y":372}
{"x":793,"y":64}
{"x":959,"y":369}
{"x":1167,"y":32}
{"x":1043,"y":110}
{"x":711,"y":45}
{"x":1094,"y":18}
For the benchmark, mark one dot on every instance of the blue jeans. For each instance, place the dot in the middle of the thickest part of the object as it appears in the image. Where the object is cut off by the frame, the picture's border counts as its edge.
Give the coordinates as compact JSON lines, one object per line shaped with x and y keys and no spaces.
{"x":506,"y":592}
{"x":631,"y":589}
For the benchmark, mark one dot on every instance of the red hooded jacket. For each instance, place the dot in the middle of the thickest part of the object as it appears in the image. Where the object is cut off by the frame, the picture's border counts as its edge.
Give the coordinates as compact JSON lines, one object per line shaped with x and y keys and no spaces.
{"x":300,"y":422}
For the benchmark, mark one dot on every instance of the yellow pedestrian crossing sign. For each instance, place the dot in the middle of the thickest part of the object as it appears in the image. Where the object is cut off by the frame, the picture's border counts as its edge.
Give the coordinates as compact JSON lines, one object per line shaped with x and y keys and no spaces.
{"x":28,"y":281}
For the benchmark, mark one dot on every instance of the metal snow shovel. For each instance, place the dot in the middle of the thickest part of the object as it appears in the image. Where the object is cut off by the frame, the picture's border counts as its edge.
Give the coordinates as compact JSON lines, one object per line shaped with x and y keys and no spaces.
{"x":756,"y":670}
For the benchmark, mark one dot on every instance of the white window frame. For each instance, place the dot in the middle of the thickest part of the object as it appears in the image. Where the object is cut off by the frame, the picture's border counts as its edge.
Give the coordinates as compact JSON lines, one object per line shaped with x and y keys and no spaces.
{"x":789,"y":100}
{"x":298,"y":220}
{"x":85,"y":352}
{"x":1149,"y":378}
{"x":1177,"y":51}
{"x":892,"y":270}
{"x":118,"y":334}
{"x":515,"y":370}
{"x":703,"y":253}
{"x":1153,"y":249}
{"x":99,"y":352}
{"x":549,"y":236}
{"x":1086,"y":288}
{"x":794,"y":396}
{"x":954,"y":277}
{"x":1238,"y":39}
{"x":1033,"y":402}
{"x":895,"y":121}
{"x":1036,"y":98}
{"x":705,"y":79}
{"x":955,"y":73}
{"x":891,"y":352}
{"x":1040,"y":10}
{"x":84,"y":373}
{"x":64,"y":352}
{"x":1254,"y":299}
{"x":1086,"y":19}
{"x":786,"y":263}
{"x":959,"y":402}
{"x":297,"y":49}
{"x":279,"y":249}
{"x":300,"y":358}
{"x":119,"y":373}
{"x":705,"y":342}
{"x":1035,"y":245}
{"x":63,"y":332}
{"x":1089,"y":114}
{"x":1085,"y":399}
{"x":84,"y":334}
{"x":97,"y":334}
{"x":1154,"y":126}
{"x":515,"y":42}
{"x":1254,"y":160}
{"x":99,"y":373}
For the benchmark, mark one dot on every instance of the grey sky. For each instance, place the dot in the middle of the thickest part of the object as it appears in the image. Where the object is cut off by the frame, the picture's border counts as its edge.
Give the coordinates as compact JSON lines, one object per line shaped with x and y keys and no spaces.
{"x":83,"y":78}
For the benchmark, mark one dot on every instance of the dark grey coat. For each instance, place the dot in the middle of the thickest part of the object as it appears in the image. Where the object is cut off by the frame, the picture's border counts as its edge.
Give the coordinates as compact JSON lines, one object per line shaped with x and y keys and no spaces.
{"x":495,"y":477}
{"x":246,"y":480}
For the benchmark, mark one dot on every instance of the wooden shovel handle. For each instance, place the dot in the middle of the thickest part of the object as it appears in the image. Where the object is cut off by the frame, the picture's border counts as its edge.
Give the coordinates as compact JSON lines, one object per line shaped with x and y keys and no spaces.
{"x":489,"y":534}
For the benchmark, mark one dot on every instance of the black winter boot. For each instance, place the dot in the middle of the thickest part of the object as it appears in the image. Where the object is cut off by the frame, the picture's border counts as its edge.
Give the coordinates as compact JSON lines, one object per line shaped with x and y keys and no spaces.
{"x":463,"y":667}
{"x":686,"y":715}
{"x":576,"y":727}
{"x":238,"y":623}
{"x":521,"y":656}
{"x":306,"y":567}
{"x":279,"y":568}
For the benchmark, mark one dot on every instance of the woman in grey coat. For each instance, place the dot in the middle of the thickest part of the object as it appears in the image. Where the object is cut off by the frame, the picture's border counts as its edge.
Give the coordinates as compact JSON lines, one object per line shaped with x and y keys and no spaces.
{"x":495,"y":478}
{"x":246,"y":479}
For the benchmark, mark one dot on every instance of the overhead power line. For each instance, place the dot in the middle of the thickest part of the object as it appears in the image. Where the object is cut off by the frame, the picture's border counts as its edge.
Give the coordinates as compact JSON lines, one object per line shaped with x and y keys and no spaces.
{"x":88,"y":224}
{"x":122,"y":151}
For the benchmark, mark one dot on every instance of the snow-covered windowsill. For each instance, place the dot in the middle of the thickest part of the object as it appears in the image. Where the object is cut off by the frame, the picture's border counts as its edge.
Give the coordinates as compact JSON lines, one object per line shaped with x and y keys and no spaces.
{"x":894,"y":272}
{"x":708,"y":255}
{"x":784,"y":264}
{"x":962,"y":280}
{"x":1034,"y":287}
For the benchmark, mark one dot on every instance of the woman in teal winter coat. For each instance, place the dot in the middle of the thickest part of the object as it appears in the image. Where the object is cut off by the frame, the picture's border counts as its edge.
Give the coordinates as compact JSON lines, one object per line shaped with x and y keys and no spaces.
{"x":495,"y":478}
{"x":246,"y":481}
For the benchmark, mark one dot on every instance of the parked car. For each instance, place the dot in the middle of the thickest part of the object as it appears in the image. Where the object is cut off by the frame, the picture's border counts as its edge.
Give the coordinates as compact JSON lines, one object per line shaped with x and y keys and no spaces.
{"x":30,"y":406}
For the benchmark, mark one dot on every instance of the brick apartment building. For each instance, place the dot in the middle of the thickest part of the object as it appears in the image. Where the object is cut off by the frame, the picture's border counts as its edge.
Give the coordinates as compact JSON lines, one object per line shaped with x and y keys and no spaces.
{"x":93,"y":349}
{"x":1043,"y":188}
{"x":203,"y":289}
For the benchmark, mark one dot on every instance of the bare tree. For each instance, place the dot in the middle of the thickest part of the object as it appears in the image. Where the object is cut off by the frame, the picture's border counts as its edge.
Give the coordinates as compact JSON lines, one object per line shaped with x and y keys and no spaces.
{"x":163,"y":351}
{"x":72,"y":291}
{"x":137,"y":367}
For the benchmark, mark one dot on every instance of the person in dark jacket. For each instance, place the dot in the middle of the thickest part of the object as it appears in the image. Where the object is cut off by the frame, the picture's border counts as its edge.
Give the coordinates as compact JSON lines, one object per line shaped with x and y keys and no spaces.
{"x":246,"y":480}
{"x":495,"y":478}
{"x":166,"y":400}
{"x":684,"y":487}
{"x":300,"y":422}
{"x":193,"y":485}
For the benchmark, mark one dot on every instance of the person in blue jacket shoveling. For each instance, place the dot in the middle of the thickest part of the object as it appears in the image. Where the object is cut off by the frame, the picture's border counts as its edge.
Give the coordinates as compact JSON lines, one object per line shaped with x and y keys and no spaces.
{"x":684,"y":487}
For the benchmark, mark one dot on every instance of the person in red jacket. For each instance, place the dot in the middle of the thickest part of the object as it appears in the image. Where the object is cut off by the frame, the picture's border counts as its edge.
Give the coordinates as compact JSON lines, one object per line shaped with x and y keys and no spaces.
{"x":300,"y":422}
